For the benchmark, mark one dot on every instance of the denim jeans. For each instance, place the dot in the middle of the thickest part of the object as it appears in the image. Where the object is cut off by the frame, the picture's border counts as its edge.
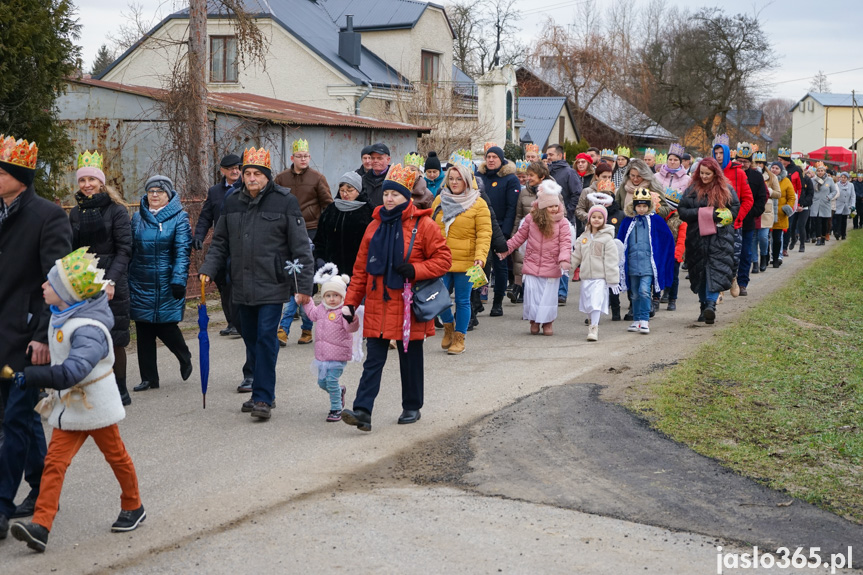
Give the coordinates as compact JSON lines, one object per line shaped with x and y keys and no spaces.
{"x":563,"y":290}
{"x":288,"y":316}
{"x":330,"y":383}
{"x":410,"y":367}
{"x":459,"y":283}
{"x":705,"y":296}
{"x":23,"y":451}
{"x":761,"y":244}
{"x":641,"y":299}
{"x":260,"y":327}
{"x":745,"y":259}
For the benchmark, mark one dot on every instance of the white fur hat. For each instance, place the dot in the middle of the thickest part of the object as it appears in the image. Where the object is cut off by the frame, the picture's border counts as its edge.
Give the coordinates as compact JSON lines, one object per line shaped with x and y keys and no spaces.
{"x":329,"y":279}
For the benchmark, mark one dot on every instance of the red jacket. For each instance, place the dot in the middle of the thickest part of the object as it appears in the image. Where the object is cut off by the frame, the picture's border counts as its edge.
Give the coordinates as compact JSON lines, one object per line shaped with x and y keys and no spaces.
{"x":738,"y":180}
{"x":430,"y":257}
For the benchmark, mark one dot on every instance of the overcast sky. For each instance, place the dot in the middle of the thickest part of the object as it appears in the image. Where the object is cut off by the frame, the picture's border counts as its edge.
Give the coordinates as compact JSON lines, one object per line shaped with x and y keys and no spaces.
{"x":807,"y":36}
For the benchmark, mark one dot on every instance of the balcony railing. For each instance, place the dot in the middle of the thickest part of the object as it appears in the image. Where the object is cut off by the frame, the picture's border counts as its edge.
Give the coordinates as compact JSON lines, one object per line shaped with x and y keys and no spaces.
{"x":458,"y":97}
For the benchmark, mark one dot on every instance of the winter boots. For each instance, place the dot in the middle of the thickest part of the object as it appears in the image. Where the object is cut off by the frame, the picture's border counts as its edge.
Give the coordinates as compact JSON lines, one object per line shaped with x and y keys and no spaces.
{"x":457,"y":345}
{"x":448,"y":330}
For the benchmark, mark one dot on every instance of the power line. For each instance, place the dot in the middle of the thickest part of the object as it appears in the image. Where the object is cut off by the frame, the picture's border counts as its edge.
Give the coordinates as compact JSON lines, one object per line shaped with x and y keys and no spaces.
{"x":810,"y":77}
{"x":557,"y":6}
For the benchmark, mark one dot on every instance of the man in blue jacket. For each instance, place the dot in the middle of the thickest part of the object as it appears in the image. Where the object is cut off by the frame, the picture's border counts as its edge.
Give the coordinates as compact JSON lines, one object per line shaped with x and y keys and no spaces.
{"x":570,"y":184}
{"x":502,"y":186}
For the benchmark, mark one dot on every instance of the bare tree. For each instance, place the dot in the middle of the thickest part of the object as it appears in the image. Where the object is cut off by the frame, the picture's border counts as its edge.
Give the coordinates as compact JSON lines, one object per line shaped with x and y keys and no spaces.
{"x":135,"y":27}
{"x":485,"y":35}
{"x":820,"y":83}
{"x":777,"y":116}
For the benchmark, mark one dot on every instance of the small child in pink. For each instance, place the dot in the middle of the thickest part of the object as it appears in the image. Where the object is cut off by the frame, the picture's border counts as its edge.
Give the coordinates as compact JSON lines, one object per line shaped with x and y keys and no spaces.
{"x":333,"y":339}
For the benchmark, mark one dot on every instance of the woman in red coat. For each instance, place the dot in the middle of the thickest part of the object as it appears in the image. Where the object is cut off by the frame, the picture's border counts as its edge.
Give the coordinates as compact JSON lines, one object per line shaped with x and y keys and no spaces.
{"x":379,"y":275}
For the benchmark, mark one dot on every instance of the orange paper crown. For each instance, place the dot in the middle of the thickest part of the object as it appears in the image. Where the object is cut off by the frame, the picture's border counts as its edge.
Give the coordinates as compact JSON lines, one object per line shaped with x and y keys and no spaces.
{"x":487,"y":146}
{"x":402,"y":176}
{"x":18,"y":153}
{"x":528,"y":148}
{"x":259,"y":157}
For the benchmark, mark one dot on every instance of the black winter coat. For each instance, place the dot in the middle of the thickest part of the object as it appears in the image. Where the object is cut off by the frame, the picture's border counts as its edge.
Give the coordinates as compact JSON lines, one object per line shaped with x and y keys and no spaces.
{"x":710,"y":258}
{"x":807,"y":196}
{"x":211,"y":211}
{"x":114,"y":254}
{"x":340,"y":234}
{"x":759,"y":196}
{"x":34,"y":236}
{"x":373,"y":187}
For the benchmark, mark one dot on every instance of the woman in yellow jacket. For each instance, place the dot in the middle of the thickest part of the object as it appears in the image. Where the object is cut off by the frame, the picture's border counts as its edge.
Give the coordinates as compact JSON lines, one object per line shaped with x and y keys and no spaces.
{"x":465,"y":222}
{"x":787,"y":205}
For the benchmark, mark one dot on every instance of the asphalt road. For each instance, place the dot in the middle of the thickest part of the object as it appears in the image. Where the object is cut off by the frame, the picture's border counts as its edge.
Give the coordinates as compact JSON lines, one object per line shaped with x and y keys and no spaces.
{"x":226,"y":494}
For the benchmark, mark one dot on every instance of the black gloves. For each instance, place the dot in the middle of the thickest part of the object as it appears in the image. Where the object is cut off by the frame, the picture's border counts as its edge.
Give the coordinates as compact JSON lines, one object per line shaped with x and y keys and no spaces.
{"x":407,"y":271}
{"x":197,"y":244}
{"x":348,"y":311}
{"x":178,"y":291}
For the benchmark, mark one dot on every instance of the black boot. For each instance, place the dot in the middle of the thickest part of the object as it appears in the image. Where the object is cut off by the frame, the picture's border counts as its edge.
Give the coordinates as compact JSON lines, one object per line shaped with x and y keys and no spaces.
{"x":672,"y":305}
{"x":777,"y":262}
{"x":764,"y":260}
{"x":664,"y":298}
{"x":710,"y":312}
{"x":755,"y":269}
{"x":701,"y":315}
{"x":473,"y":321}
{"x":792,"y":243}
{"x":496,"y":306}
{"x":615,"y":313}
{"x":802,"y":247}
{"x":124,"y":393}
{"x":517,"y":295}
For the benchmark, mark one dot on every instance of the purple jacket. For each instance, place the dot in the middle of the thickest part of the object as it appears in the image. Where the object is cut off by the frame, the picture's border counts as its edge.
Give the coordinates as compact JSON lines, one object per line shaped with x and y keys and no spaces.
{"x":333,"y":340}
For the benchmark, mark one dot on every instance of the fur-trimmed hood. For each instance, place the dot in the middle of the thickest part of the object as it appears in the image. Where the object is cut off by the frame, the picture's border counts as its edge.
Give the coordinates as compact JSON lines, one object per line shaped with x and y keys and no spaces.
{"x":506,"y":169}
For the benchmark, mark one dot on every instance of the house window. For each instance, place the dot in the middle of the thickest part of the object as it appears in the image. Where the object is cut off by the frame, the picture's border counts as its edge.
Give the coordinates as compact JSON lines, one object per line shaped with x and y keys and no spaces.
{"x":223,"y":58}
{"x":430,"y":67}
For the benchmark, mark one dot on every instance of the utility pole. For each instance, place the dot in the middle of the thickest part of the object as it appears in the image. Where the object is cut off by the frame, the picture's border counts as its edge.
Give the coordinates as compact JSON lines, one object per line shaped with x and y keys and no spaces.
{"x":197,"y":180}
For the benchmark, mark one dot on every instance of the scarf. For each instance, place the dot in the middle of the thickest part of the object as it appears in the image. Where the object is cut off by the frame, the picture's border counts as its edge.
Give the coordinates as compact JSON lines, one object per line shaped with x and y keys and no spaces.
{"x":6,"y":211}
{"x":91,"y":227}
{"x":454,"y":204}
{"x":630,"y":189}
{"x":387,"y":248}
{"x":348,"y":205}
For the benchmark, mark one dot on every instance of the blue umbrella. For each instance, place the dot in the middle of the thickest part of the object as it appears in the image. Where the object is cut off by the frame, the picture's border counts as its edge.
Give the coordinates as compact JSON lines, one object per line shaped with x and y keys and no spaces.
{"x":204,"y":342}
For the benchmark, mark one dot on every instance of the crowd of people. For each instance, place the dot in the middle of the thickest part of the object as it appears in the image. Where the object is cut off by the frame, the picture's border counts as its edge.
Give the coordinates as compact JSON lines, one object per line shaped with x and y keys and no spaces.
{"x":374,"y":246}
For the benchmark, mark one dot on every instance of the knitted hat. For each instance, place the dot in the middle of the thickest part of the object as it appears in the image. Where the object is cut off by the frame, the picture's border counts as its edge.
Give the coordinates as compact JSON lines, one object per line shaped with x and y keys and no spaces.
{"x":497,"y":151}
{"x":159,"y":181}
{"x":352,"y":179}
{"x":329,"y":279}
{"x":75,"y":277}
{"x":18,"y":159}
{"x":433,"y":162}
{"x":548,"y":194}
{"x":585,"y":157}
{"x":90,"y":165}
{"x":597,"y":208}
{"x":400,"y":179}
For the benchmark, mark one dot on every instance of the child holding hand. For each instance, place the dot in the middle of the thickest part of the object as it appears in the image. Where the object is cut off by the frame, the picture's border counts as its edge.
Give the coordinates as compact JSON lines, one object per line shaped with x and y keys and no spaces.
{"x":547,"y":255}
{"x":597,"y":253}
{"x":333,"y":340}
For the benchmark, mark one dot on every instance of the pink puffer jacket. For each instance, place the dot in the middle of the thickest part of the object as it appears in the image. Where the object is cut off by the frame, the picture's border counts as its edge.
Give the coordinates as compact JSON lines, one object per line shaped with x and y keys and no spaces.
{"x":543,"y":256}
{"x":333,"y":340}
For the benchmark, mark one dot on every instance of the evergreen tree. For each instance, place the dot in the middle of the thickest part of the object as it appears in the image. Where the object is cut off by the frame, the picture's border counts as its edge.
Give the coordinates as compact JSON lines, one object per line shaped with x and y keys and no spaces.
{"x":104,"y":58}
{"x":37,"y":52}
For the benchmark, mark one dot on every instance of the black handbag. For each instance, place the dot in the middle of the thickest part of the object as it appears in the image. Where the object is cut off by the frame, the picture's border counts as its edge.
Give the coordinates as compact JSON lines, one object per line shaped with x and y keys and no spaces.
{"x":430,"y":297}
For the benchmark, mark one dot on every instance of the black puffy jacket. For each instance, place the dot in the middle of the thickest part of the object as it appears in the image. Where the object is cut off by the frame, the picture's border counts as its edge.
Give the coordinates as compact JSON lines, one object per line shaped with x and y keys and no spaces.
{"x":710,"y":258}
{"x":340,"y":234}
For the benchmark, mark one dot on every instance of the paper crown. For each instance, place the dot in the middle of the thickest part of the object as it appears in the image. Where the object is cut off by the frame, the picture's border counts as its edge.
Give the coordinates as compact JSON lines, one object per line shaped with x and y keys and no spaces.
{"x":606,"y":153}
{"x":402,"y":176}
{"x":819,"y":165}
{"x":18,"y":152}
{"x":744,"y":150}
{"x":521,"y":166}
{"x":624,"y":151}
{"x":853,"y":174}
{"x":784,"y":153}
{"x":721,"y":140}
{"x":80,"y":275}
{"x":414,"y":160}
{"x":300,"y":146}
{"x":641,"y":195}
{"x":487,"y":146}
{"x":798,"y":162}
{"x":528,"y":148}
{"x":760,"y":157}
{"x":458,"y":160}
{"x":259,"y":157}
{"x":673,"y":196}
{"x":605,"y":186}
{"x":88,"y":160}
{"x":676,"y":149}
{"x":649,"y":152}
{"x":724,"y":217}
{"x":661,"y":159}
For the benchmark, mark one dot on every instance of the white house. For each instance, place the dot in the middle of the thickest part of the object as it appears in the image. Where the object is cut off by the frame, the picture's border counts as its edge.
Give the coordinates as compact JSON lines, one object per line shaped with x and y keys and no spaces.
{"x":820,"y":120}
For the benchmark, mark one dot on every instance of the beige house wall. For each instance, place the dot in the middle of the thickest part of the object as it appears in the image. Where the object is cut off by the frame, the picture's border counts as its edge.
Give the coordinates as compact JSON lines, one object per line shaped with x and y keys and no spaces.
{"x":830,"y":126}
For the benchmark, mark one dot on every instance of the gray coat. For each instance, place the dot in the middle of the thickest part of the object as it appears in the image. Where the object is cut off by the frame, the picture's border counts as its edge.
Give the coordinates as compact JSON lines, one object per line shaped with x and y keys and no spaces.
{"x":825,"y":192}
{"x":846,"y":199}
{"x":260,"y":235}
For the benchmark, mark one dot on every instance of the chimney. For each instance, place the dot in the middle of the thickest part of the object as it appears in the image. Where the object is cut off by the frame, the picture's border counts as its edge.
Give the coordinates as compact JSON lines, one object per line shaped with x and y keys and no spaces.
{"x":350,"y":45}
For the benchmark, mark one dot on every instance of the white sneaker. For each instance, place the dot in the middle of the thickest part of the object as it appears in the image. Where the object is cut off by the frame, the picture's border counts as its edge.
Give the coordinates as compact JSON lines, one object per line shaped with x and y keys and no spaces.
{"x":644,"y":327}
{"x":634,"y":327}
{"x":593,"y":333}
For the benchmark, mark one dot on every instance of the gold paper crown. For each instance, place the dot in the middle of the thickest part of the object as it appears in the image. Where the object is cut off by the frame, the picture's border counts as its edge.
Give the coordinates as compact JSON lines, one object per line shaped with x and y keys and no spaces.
{"x":402,"y":176}
{"x":80,"y":275}
{"x":761,"y":157}
{"x":487,"y":146}
{"x":606,"y":153}
{"x":414,"y":160}
{"x":521,"y":166}
{"x":528,"y":148}
{"x":784,"y":153}
{"x":88,"y":160}
{"x":641,"y":194}
{"x":624,"y":151}
{"x":744,"y":150}
{"x":300,"y":146}
{"x":259,"y":157}
{"x":18,"y":152}
{"x":650,"y":152}
{"x":819,"y":165}
{"x":661,"y":159}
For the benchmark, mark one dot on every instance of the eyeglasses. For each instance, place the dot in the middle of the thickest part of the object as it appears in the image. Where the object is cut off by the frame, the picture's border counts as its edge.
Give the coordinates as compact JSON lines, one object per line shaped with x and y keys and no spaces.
{"x":302,"y":156}
{"x":156,"y":192}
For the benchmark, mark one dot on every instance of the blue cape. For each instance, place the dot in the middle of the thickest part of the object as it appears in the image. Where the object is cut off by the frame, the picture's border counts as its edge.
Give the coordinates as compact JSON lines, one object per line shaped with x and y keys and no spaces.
{"x":661,"y":252}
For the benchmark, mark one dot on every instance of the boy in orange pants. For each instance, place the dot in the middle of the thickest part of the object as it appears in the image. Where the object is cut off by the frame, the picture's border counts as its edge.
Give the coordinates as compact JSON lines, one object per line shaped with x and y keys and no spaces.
{"x":84,"y":400}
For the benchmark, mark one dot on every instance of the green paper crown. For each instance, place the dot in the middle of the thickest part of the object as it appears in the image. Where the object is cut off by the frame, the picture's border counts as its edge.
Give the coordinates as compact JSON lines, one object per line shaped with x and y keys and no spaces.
{"x":624,"y":151}
{"x":300,"y":146}
{"x":414,"y":160}
{"x":661,"y":159}
{"x":78,"y":271}
{"x":88,"y":160}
